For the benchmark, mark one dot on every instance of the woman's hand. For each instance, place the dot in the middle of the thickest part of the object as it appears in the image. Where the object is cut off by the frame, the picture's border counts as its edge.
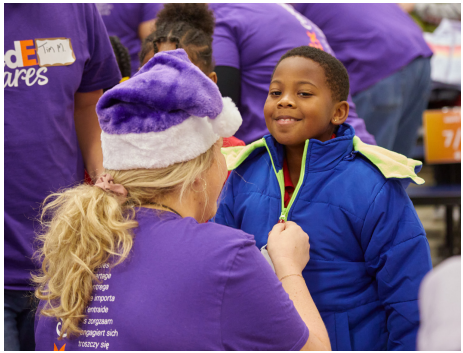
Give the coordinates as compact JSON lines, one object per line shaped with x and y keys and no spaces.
{"x":288,"y":247}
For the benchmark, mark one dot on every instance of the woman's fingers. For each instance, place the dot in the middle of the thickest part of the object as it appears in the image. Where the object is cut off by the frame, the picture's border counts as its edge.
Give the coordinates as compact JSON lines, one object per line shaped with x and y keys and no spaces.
{"x":288,"y":246}
{"x":278,"y":228}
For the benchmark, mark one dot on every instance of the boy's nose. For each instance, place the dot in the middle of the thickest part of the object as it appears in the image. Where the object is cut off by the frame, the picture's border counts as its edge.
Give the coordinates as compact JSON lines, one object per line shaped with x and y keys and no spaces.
{"x":285,"y":102}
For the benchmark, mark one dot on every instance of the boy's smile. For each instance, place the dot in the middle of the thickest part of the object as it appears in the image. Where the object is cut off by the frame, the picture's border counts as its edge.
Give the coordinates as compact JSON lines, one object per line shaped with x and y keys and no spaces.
{"x":286,"y":120}
{"x":300,"y":104}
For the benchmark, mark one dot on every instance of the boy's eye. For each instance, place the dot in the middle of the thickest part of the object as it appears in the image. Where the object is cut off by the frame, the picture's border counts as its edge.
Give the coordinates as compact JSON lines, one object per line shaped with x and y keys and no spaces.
{"x":275,"y":93}
{"x":305,"y":94}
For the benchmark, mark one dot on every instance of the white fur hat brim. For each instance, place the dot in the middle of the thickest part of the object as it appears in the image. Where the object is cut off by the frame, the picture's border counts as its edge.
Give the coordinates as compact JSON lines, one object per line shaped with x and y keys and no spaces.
{"x":180,"y":143}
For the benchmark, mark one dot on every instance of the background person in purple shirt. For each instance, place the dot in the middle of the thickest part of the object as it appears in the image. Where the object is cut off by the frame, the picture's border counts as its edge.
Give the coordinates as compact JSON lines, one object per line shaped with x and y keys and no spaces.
{"x":249,"y":39}
{"x":130,"y":264}
{"x":131,"y":23}
{"x":58,"y":59}
{"x":388,"y":63}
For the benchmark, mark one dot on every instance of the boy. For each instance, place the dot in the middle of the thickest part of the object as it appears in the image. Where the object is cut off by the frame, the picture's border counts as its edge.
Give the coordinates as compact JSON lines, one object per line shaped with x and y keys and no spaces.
{"x":368,"y":248}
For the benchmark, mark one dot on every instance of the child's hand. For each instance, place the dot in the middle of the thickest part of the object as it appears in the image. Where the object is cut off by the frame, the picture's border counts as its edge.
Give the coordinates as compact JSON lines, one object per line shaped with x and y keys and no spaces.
{"x":288,"y":247}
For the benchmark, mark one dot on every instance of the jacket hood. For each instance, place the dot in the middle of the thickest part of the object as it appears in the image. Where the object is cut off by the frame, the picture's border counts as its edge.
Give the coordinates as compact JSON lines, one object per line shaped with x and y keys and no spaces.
{"x":326,"y":155}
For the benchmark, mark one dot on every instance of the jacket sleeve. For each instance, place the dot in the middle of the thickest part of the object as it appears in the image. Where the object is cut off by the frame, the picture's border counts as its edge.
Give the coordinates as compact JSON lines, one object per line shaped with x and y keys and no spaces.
{"x":396,"y":254}
{"x":226,"y":202}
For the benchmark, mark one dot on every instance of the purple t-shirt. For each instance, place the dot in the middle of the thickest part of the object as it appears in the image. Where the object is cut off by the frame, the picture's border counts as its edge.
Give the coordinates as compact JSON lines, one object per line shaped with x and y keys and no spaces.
{"x":122,"y":20}
{"x":252,"y":38}
{"x":41,"y":149}
{"x":372,"y":40}
{"x":185,"y":286}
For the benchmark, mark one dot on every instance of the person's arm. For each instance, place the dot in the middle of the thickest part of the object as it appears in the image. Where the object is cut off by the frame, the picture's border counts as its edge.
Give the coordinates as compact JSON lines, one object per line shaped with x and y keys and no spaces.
{"x":100,"y":71}
{"x":397,"y":255}
{"x":229,"y":83}
{"x":88,"y":131}
{"x":145,"y":29}
{"x":288,"y":247}
{"x":305,"y":306}
{"x":258,"y":312}
{"x":147,"y":19}
{"x":407,"y":7}
{"x":226,"y":52}
{"x":358,"y":124}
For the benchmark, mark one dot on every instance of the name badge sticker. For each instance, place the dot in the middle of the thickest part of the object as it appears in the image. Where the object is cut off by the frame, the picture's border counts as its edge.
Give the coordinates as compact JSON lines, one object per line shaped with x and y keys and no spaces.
{"x":54,"y":52}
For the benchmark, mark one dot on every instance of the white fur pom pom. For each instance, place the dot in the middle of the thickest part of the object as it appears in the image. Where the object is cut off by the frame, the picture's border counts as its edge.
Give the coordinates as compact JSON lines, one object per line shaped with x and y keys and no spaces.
{"x":227,"y":123}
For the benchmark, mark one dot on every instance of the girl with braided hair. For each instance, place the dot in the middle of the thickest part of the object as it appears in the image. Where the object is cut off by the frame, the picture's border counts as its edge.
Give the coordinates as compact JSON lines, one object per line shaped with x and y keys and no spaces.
{"x":187,"y":26}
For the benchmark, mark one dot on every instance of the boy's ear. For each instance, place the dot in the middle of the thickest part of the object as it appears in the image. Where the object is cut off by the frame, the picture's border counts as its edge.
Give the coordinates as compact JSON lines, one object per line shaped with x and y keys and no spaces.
{"x":213,"y":76}
{"x":341,"y":111}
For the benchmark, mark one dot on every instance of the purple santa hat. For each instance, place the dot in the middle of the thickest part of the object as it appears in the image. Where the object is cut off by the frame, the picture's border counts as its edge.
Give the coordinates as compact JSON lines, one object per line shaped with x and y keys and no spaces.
{"x":168,"y":112}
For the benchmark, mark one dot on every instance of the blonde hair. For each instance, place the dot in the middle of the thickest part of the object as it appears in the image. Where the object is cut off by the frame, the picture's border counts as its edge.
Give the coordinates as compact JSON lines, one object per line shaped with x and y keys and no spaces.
{"x":89,"y":227}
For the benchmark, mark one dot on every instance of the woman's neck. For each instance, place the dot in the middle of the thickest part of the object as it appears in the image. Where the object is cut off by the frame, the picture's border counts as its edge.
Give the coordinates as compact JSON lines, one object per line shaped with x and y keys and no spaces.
{"x":189,"y":207}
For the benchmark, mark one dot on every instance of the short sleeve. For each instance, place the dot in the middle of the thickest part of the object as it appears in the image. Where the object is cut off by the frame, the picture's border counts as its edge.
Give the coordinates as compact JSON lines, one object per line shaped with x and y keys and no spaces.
{"x":100,"y":70}
{"x":150,"y":11}
{"x":225,"y":44}
{"x":257,"y":313}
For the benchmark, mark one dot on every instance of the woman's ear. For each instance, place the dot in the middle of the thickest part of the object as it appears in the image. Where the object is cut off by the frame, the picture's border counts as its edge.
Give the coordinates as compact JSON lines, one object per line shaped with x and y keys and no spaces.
{"x":341,"y":111}
{"x":213,"y":76}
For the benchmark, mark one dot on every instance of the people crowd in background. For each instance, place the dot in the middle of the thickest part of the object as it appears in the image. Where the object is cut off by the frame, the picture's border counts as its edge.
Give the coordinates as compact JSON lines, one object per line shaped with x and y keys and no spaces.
{"x":388,"y":63}
{"x":246,"y":53}
{"x":151,"y":105}
{"x":131,"y":23}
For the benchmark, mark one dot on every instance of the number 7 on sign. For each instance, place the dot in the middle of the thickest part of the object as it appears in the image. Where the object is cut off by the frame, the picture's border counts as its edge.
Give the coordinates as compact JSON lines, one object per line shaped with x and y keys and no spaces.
{"x":449,"y":137}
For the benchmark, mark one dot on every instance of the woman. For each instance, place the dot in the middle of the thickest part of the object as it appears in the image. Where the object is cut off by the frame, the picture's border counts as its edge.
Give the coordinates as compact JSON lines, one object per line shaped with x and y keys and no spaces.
{"x":129,"y":264}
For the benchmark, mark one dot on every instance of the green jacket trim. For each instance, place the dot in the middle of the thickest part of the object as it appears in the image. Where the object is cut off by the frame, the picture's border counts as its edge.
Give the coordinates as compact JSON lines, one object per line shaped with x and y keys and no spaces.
{"x":238,"y":154}
{"x":390,"y":164}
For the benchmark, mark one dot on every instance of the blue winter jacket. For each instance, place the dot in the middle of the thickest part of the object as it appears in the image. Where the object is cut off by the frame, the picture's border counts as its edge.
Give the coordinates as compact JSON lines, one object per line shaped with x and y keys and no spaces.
{"x":369,"y":251}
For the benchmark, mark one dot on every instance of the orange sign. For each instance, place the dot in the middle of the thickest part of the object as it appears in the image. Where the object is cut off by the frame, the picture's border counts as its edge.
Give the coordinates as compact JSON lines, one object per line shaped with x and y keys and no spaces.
{"x":442,"y":135}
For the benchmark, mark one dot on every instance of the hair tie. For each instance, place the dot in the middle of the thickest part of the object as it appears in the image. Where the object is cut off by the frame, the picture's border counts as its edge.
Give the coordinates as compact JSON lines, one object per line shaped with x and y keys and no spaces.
{"x":106,"y":183}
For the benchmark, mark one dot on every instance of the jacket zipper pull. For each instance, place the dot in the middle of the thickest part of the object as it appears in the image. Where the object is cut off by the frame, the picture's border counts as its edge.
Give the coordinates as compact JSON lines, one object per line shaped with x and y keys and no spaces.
{"x":282,"y":218}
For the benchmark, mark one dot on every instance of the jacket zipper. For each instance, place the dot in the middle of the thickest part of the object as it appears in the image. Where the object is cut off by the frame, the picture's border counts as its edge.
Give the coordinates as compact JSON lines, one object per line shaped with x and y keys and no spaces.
{"x":281,"y":181}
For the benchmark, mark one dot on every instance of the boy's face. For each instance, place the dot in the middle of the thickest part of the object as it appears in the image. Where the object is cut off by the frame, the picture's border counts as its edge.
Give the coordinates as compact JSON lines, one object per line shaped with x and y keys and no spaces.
{"x":299,"y":105}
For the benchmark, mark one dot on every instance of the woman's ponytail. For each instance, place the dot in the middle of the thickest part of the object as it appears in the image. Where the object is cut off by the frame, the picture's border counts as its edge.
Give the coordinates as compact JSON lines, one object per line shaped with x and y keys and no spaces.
{"x":86,"y":227}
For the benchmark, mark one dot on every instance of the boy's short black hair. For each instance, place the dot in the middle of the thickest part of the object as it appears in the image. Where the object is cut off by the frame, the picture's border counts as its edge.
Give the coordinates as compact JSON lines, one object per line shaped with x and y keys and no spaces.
{"x":336,"y":74}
